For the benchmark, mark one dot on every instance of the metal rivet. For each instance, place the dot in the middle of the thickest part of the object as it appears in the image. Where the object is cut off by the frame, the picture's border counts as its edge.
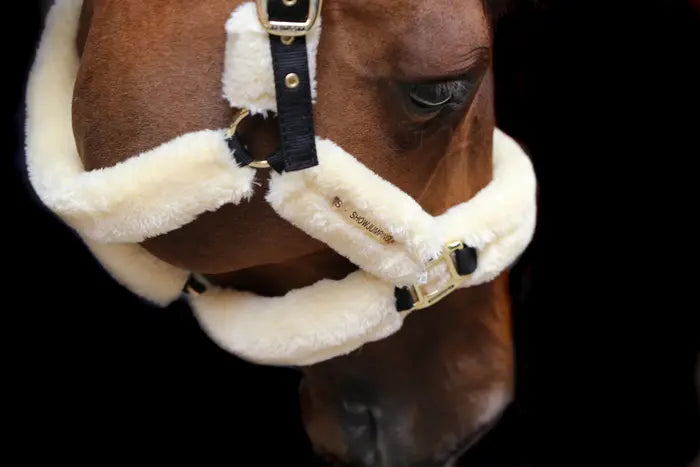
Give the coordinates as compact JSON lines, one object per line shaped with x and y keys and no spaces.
{"x":287,"y":40}
{"x":289,"y":2}
{"x":292,"y":80}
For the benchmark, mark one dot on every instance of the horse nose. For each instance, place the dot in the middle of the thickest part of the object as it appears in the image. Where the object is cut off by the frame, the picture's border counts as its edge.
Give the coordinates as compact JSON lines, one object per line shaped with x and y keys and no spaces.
{"x":376,"y":438}
{"x":360,"y":423}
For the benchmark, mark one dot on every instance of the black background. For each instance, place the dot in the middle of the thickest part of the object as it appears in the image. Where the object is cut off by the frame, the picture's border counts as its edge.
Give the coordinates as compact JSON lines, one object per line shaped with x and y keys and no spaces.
{"x":605,"y":97}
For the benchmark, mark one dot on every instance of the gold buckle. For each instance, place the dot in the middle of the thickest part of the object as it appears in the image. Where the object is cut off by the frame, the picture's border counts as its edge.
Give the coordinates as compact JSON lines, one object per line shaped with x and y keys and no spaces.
{"x":287,"y":28}
{"x":240,"y":116}
{"x":423,"y":300}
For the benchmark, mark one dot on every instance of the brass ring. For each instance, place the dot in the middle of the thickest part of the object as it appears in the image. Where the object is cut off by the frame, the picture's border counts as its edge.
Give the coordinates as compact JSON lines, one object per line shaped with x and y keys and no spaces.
{"x":240,"y":116}
{"x":260,"y":165}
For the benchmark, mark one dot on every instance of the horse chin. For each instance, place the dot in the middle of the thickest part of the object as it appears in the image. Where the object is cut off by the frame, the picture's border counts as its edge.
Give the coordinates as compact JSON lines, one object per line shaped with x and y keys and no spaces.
{"x":391,"y":436}
{"x":374,"y":460}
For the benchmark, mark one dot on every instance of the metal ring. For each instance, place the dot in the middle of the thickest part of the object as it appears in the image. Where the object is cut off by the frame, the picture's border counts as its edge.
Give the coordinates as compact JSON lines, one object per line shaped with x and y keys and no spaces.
{"x":240,"y":116}
{"x":260,"y":165}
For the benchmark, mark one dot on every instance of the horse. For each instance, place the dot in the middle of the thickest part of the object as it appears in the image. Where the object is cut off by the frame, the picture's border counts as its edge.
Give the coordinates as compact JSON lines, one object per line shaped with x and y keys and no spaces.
{"x":150,"y":71}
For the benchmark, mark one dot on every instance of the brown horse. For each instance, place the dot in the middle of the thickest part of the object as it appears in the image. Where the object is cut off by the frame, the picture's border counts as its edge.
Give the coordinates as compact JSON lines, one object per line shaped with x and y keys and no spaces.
{"x":151,"y":71}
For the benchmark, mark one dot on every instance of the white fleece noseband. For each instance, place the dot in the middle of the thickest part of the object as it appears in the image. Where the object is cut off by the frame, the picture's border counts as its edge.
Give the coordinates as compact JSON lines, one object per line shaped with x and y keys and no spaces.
{"x":341,"y":202}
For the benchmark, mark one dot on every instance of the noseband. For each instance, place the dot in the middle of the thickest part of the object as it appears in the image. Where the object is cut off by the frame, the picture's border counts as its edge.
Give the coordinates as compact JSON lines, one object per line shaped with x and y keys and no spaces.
{"x":408,"y":260}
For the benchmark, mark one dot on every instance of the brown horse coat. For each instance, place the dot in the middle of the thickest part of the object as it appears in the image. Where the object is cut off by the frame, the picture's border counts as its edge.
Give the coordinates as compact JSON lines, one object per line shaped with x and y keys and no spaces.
{"x":151,"y":71}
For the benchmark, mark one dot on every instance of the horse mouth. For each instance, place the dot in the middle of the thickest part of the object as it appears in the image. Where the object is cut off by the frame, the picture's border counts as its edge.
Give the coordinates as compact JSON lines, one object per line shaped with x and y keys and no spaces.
{"x":376,"y":459}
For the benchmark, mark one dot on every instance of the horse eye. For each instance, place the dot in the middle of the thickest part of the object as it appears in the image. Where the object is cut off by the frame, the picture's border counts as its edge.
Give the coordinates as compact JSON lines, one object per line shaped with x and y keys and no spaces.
{"x":431,"y":97}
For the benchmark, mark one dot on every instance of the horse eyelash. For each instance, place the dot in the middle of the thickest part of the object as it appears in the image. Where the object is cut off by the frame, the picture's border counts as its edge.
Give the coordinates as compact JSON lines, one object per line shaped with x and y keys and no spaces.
{"x":454,"y":87}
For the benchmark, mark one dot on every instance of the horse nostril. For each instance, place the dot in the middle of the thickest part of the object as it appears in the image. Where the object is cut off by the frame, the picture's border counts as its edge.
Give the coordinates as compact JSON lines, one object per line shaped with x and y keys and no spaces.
{"x":355,"y":407}
{"x":360,"y":426}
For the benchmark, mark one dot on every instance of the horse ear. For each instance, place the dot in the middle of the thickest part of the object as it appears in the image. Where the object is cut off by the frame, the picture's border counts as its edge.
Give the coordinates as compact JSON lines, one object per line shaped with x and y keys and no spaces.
{"x":84,"y":27}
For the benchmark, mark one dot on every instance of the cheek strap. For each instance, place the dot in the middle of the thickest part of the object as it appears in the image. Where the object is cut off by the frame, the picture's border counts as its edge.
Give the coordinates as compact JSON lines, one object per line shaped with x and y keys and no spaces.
{"x":293,"y":89}
{"x":292,"y":81}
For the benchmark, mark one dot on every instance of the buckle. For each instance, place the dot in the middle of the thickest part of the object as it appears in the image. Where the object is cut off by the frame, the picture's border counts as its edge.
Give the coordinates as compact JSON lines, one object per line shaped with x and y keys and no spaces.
{"x":289,"y":28}
{"x":423,"y":299}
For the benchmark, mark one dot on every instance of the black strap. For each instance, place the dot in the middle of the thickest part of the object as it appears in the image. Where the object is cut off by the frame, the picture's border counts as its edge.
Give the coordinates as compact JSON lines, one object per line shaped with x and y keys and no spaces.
{"x":466,"y":260}
{"x":276,"y":161}
{"x":239,"y":151}
{"x":294,"y":106}
{"x":244,"y":158}
{"x":404,"y":299}
{"x":194,"y":287}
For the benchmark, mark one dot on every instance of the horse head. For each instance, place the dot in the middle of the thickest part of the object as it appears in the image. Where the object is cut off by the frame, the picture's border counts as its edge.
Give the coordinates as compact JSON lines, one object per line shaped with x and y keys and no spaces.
{"x":406,"y":87}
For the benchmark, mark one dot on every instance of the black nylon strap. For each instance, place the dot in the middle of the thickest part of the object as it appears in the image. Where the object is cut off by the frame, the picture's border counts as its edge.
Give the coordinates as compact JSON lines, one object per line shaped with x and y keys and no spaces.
{"x":194,"y":286}
{"x":466,"y":260}
{"x":240,"y":153}
{"x":276,"y":161}
{"x":294,"y":107}
{"x":244,"y":158}
{"x":404,"y":299}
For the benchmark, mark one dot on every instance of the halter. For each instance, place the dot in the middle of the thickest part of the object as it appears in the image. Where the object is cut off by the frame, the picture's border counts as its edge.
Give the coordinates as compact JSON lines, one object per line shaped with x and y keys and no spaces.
{"x":408,"y":260}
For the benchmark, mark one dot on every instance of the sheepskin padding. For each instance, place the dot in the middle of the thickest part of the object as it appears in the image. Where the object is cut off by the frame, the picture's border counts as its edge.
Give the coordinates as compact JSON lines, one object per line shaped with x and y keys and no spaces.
{"x":305,"y":199}
{"x":306,"y":326}
{"x":140,"y":272}
{"x":148,"y":195}
{"x":57,"y":175}
{"x":503,"y":209}
{"x":248,"y":81}
{"x":500,"y":220}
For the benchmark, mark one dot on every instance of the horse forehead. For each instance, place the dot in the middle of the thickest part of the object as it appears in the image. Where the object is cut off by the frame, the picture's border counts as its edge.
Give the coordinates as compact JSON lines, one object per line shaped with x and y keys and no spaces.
{"x":439,"y":15}
{"x":432,"y":35}
{"x":425,"y":20}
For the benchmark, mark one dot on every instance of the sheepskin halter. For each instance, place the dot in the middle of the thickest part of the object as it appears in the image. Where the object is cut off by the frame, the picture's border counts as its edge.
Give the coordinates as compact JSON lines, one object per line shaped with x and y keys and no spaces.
{"x":407,"y":259}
